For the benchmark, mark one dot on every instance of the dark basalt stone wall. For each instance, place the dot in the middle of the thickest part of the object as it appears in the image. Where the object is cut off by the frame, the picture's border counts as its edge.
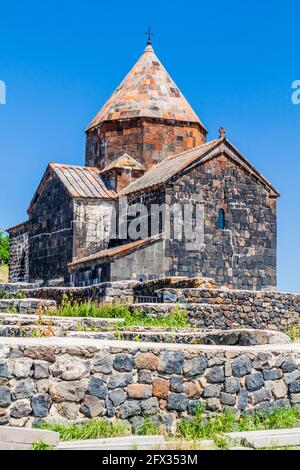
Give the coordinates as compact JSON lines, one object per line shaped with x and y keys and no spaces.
{"x":18,"y":250}
{"x":51,"y":234}
{"x":243,"y":255}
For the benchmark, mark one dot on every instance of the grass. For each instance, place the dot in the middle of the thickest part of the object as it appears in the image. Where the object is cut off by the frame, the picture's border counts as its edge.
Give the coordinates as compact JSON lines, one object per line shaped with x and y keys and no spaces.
{"x":177,"y":318}
{"x":213,"y":427}
{"x":148,"y":428}
{"x":69,"y":308}
{"x":94,"y":429}
{"x":189,"y":430}
{"x":3,"y":273}
{"x":12,"y":295}
{"x":40,"y":445}
{"x":293,"y":331}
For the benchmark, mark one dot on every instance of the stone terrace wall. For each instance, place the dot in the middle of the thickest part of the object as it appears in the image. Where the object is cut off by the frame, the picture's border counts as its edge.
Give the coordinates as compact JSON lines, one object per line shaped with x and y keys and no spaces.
{"x":64,"y":378}
{"x":106,"y":292}
{"x":207,"y":306}
{"x":231,"y":308}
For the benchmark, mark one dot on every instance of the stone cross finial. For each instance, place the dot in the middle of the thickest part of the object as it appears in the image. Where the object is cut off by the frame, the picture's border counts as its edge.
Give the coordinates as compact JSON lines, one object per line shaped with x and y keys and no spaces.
{"x":222,"y":132}
{"x":149,"y":34}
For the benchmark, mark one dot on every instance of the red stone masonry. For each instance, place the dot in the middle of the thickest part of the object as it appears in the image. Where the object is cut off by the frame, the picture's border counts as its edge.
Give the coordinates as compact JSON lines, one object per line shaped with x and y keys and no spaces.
{"x":149,"y":141}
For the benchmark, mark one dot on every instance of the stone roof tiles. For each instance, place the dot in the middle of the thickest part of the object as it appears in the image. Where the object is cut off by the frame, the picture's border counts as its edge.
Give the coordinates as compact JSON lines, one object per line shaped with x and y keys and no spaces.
{"x":147,"y":91}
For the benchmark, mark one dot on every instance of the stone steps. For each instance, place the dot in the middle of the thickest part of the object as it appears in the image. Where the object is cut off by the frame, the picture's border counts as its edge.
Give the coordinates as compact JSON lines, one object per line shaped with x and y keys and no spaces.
{"x":115,"y":443}
{"x":21,"y":319}
{"x":14,"y":446}
{"x":268,"y":438}
{"x":17,"y":325}
{"x":241,"y":337}
{"x":17,"y":438}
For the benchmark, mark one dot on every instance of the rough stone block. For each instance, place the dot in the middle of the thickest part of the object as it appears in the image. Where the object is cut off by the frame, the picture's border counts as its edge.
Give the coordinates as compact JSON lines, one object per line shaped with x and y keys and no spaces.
{"x":97,"y":387}
{"x":177,"y":402}
{"x":254,"y":381}
{"x":123,"y":363}
{"x":195,"y":366}
{"x":146,"y":361}
{"x":171,"y":362}
{"x":139,"y":391}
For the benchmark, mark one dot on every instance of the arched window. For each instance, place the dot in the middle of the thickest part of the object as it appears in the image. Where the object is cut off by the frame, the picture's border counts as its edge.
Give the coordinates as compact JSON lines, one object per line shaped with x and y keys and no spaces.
{"x":221,"y":219}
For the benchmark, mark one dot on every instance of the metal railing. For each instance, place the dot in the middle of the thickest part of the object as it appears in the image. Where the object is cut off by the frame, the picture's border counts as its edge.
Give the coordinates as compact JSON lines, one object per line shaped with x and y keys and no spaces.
{"x":147,"y":299}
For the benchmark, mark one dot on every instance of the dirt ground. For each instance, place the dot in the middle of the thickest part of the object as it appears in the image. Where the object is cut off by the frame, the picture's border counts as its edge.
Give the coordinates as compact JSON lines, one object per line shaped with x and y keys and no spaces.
{"x":3,"y":274}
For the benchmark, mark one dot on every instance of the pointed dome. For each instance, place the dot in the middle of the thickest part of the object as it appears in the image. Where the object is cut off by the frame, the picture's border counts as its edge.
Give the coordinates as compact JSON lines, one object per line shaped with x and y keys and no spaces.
{"x":147,"y":91}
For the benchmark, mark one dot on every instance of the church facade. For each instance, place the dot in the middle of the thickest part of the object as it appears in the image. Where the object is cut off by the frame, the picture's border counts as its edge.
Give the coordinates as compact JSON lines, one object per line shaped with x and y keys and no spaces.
{"x":146,"y":150}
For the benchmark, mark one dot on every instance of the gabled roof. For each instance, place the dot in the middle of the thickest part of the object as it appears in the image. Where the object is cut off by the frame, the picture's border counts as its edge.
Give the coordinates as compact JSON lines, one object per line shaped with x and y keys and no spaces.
{"x":111,"y":254}
{"x":17,"y":226}
{"x":125,"y":161}
{"x":167,"y":168}
{"x":79,"y":182}
{"x":83,"y":181}
{"x":171,"y":166}
{"x":147,"y":91}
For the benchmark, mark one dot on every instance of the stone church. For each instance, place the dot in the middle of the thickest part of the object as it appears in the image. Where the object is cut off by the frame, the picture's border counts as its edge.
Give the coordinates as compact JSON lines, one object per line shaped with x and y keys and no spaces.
{"x":147,"y":145}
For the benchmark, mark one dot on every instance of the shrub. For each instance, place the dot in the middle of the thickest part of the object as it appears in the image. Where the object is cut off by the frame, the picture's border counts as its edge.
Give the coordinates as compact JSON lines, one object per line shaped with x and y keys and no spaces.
{"x":293,"y":331}
{"x":4,"y":248}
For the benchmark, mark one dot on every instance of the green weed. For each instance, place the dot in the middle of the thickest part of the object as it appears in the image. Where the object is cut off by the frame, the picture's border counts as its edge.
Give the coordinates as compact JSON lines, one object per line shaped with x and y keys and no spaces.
{"x":201,"y":427}
{"x":177,"y":318}
{"x":148,"y":427}
{"x":293,"y":331}
{"x":40,"y":445}
{"x":94,"y":429}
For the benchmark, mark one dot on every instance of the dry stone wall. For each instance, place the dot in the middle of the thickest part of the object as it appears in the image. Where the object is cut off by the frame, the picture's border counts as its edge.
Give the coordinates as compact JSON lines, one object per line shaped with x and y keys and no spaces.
{"x":71,"y":379}
{"x":104,"y":292}
{"x":19,"y":262}
{"x":217,"y":308}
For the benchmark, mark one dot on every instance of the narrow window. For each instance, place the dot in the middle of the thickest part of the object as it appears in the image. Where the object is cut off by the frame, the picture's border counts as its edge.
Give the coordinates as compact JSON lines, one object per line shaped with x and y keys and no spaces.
{"x":22,"y":267}
{"x":221,"y":219}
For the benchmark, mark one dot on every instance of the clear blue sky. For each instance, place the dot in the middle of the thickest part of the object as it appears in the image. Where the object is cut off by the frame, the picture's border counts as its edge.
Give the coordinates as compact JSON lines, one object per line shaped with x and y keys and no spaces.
{"x":234,"y":61}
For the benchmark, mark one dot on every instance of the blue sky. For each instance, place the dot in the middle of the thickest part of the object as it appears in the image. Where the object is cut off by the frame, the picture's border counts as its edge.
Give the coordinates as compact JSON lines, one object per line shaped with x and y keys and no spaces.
{"x":234,"y":61}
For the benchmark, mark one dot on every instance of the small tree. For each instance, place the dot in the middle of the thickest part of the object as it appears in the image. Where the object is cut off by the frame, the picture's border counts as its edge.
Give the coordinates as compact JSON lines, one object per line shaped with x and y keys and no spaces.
{"x":4,"y":248}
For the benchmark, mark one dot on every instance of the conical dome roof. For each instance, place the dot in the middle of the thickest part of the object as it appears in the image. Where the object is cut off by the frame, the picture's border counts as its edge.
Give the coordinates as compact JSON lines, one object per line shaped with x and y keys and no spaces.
{"x":147,"y":91}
